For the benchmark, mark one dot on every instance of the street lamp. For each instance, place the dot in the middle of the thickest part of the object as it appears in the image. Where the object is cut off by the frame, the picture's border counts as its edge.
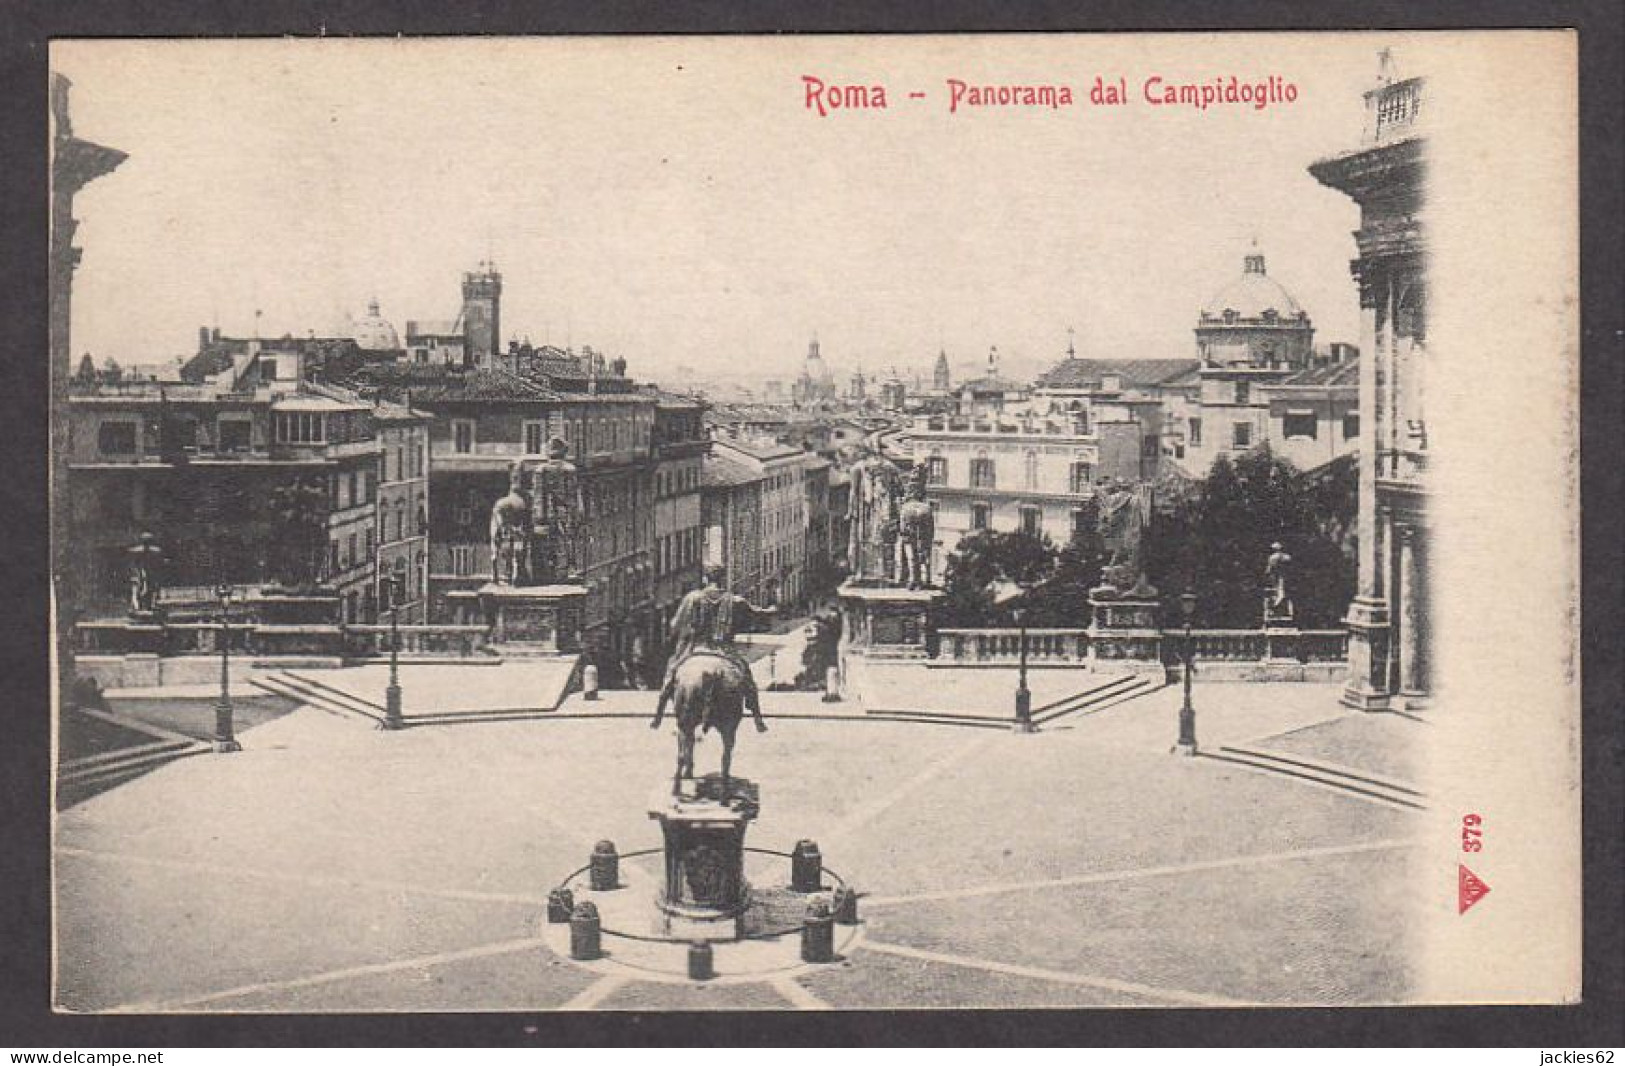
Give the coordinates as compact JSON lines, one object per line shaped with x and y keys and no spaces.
{"x":1005,"y":592}
{"x":1187,"y":713}
{"x":224,"y":738}
{"x":1024,"y":696}
{"x":392,"y":694}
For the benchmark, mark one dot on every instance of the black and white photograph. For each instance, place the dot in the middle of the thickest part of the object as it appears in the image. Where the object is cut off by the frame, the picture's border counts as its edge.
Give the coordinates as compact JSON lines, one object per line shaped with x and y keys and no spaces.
{"x":789,"y":523}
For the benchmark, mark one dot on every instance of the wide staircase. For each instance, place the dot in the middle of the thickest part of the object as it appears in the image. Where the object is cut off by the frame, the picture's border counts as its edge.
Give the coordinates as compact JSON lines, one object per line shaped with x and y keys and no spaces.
{"x":1362,"y":783}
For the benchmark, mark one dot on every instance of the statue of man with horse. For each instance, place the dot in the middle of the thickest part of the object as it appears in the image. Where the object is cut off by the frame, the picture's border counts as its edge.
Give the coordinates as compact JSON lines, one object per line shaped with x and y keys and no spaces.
{"x":708,"y":682}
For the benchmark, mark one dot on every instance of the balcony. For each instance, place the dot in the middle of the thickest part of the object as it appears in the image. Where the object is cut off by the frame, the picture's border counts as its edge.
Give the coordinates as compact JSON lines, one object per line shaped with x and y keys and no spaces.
{"x":1393,"y":112}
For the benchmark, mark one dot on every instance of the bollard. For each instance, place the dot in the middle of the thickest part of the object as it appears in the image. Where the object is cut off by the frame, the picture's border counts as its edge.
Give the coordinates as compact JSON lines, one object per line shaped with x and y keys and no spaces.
{"x":560,"y":902}
{"x":846,"y":906}
{"x":832,"y":685}
{"x":818,"y":934}
{"x":589,"y":682}
{"x":806,"y":868}
{"x":699,"y":961}
{"x":585,"y":933}
{"x":605,"y":867}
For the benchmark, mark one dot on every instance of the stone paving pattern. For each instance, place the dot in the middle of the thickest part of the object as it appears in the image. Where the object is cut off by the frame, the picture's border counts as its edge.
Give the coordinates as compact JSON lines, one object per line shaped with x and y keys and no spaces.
{"x":328,"y":866}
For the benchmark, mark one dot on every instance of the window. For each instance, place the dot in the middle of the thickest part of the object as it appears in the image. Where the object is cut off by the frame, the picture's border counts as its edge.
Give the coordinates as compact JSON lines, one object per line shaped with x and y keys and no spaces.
{"x":333,"y":557}
{"x":1032,"y":521}
{"x":183,"y":433}
{"x":367,"y":541}
{"x":535,"y":438}
{"x":1351,"y":425}
{"x":1193,"y":431}
{"x":267,"y":369}
{"x":1243,"y":392}
{"x":116,"y":438}
{"x":1031,"y":467}
{"x":981,"y":516}
{"x":352,"y":557}
{"x":300,"y":427}
{"x":1242,"y":435}
{"x":1149,"y":447}
{"x":1080,"y":523}
{"x":981,"y":474}
{"x":1083,"y":475}
{"x":1296,"y":425}
{"x":462,"y":435}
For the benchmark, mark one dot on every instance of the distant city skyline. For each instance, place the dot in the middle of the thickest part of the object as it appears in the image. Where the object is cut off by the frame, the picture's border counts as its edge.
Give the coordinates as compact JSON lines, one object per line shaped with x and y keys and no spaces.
{"x":688,"y":210}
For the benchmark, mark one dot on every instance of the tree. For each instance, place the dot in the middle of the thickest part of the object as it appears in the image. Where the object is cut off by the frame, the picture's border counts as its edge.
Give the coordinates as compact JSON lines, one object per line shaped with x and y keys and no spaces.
{"x":1217,"y":541}
{"x":298,"y":543}
{"x":112,"y":373}
{"x":86,"y":374}
{"x":984,"y":559}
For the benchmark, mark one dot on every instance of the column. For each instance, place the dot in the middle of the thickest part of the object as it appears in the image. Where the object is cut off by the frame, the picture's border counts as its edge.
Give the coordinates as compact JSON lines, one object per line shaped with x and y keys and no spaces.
{"x":1413,"y":622}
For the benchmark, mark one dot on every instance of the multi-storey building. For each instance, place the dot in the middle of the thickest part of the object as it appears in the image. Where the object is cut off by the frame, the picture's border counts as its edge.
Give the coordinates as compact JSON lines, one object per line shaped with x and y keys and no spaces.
{"x":219,"y":472}
{"x":403,"y":510}
{"x":1389,"y":645}
{"x":782,"y":535}
{"x":485,"y":420}
{"x":1028,"y":471}
{"x":731,"y":510}
{"x":681,"y":444}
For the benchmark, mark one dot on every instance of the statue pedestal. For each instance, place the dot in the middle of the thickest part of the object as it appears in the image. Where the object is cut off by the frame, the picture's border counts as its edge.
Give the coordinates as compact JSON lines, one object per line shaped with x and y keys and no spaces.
{"x":705,"y":894}
{"x":1125,"y":633}
{"x":1280,"y":640}
{"x":534,"y":620}
{"x":886,"y":623}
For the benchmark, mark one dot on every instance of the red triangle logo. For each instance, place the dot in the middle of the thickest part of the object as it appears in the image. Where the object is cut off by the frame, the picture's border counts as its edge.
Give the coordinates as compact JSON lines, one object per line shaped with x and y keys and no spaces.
{"x":1469,"y":889}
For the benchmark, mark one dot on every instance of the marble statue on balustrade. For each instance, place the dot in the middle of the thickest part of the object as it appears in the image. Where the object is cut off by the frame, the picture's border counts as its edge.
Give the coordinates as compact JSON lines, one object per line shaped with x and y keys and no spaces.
{"x":873,"y":514}
{"x":510,"y":532}
{"x":917,"y":532}
{"x":556,"y":517}
{"x":1125,"y":515}
{"x":1277,"y":595}
{"x":146,"y":579}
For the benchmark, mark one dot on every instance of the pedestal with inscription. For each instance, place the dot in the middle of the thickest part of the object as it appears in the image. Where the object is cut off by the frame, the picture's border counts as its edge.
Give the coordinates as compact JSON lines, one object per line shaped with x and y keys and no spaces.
{"x":704,"y":895}
{"x":534,"y":620}
{"x":1124,"y":631}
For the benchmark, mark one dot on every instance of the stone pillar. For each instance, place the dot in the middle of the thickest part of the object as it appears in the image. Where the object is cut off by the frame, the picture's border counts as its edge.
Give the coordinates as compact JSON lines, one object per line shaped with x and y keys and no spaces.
{"x":1412,"y":618}
{"x":705,"y":892}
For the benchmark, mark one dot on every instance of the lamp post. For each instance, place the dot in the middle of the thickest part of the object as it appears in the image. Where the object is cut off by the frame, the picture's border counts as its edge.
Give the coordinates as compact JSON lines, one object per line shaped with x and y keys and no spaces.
{"x":224,"y":738}
{"x":1187,"y":712}
{"x":392,"y":694}
{"x":1024,"y":696}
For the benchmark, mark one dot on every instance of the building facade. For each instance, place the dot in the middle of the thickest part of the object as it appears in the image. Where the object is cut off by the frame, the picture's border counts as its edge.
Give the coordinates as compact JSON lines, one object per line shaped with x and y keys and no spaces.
{"x":681,"y":444}
{"x":403,"y":512}
{"x":230,"y":478}
{"x":1389,"y":644}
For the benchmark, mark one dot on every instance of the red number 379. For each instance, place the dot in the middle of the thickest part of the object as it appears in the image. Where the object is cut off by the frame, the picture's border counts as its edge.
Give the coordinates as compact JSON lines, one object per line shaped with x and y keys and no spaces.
{"x":1472,"y":836}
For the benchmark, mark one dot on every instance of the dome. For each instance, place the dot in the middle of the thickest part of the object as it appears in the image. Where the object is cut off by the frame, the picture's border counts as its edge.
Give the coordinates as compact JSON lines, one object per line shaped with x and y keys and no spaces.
{"x":1252,"y":294}
{"x":374,"y":333}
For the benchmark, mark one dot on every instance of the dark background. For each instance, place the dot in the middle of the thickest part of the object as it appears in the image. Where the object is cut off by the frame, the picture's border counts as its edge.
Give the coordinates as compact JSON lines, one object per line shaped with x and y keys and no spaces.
{"x":25,"y":924}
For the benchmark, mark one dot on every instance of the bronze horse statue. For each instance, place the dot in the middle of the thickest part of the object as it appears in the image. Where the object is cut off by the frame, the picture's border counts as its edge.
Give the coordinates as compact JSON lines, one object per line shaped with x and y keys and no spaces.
{"x":708,"y":693}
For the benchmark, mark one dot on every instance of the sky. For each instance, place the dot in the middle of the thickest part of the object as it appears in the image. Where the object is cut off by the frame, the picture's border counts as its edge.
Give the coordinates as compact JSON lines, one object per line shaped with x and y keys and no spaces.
{"x":674,"y":201}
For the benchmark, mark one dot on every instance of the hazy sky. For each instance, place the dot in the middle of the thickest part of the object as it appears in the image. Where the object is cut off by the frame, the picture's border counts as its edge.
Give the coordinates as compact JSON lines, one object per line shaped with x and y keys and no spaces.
{"x":673,"y":201}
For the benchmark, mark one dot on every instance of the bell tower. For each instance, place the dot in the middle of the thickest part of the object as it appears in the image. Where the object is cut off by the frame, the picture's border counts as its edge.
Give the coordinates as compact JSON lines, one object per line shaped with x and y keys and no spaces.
{"x":482,"y":315}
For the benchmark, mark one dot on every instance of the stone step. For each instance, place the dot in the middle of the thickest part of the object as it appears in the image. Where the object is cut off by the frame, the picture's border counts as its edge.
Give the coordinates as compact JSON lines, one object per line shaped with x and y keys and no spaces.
{"x":1342,"y":781}
{"x":1109,"y":694}
{"x":131,"y":764}
{"x":1304,"y":762}
{"x":322,"y":697}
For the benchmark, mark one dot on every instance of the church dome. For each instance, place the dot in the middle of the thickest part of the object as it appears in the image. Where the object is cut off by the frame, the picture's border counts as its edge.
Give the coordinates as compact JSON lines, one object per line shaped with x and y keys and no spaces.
{"x":374,"y":333}
{"x":1252,"y":294}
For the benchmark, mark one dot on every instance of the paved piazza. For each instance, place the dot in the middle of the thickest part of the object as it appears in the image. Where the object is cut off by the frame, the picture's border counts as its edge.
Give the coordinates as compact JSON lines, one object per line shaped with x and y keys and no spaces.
{"x":329,"y":867}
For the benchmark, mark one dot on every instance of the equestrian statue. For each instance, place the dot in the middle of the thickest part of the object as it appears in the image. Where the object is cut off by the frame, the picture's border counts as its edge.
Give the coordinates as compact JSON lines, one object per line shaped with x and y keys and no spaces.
{"x":707,"y":681}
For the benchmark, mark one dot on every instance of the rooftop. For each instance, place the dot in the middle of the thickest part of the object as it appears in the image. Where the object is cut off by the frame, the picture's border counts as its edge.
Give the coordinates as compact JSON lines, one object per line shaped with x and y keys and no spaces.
{"x":1076,"y":373}
{"x":722,"y":471}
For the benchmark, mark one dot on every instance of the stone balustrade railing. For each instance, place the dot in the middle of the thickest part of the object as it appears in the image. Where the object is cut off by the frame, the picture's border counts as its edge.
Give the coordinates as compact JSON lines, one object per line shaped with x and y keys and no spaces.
{"x":1002,"y":647}
{"x":119,"y":637}
{"x":999,"y":646}
{"x":372,"y":641}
